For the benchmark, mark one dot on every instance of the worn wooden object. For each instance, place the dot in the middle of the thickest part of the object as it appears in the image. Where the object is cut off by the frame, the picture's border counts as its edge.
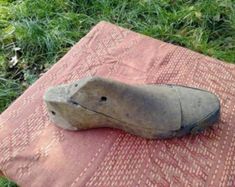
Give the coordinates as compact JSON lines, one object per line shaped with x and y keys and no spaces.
{"x":150,"y":111}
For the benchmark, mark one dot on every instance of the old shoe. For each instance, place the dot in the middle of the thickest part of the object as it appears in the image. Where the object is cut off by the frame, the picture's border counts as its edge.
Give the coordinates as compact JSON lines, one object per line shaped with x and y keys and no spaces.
{"x":150,"y":111}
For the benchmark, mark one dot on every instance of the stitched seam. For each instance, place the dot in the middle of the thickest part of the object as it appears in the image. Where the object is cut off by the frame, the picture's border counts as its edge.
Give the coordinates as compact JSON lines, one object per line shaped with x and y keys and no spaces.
{"x":181,"y":110}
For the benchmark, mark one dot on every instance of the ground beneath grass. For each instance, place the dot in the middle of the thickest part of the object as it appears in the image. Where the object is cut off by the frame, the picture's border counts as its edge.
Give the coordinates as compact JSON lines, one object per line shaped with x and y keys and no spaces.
{"x":35,"y":34}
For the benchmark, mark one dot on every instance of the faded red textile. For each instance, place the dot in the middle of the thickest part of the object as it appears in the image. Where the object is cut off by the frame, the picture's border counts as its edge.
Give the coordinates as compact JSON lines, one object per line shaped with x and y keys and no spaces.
{"x":34,"y":152}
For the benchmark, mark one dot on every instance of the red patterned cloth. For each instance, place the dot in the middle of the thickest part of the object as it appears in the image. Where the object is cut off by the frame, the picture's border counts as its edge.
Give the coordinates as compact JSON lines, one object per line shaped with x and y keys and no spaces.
{"x":34,"y":152}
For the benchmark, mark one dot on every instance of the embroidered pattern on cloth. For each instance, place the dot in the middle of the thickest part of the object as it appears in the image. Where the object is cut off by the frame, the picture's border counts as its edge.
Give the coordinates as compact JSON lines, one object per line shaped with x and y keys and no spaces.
{"x":34,"y":152}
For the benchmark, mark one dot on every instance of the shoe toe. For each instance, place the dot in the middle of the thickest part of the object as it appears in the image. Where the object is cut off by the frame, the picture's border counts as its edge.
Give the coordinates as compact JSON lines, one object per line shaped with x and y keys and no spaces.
{"x":198,"y":107}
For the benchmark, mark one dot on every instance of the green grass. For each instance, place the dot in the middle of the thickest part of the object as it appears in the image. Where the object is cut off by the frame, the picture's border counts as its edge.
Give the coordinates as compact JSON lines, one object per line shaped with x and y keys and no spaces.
{"x":35,"y":34}
{"x":4,"y":182}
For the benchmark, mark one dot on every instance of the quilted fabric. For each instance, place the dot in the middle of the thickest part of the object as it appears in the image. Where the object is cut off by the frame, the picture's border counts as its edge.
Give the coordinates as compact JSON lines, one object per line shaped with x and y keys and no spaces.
{"x":34,"y":152}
